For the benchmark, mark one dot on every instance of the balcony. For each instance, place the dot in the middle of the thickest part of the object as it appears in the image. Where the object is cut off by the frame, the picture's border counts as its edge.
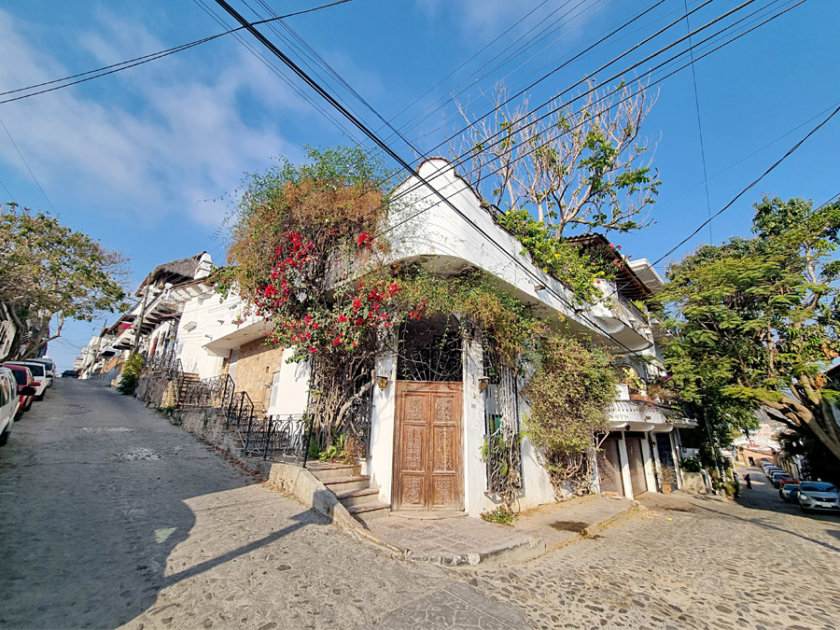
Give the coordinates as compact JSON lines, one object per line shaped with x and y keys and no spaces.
{"x":643,"y":415}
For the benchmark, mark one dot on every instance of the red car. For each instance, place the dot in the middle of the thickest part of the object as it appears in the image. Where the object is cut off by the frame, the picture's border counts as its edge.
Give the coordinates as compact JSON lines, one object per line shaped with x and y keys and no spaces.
{"x":24,"y":379}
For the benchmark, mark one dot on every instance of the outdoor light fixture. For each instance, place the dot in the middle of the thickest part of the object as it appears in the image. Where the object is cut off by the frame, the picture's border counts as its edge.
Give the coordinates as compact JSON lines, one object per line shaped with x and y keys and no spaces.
{"x":539,"y":287}
{"x":483,"y":381}
{"x":382,"y":381}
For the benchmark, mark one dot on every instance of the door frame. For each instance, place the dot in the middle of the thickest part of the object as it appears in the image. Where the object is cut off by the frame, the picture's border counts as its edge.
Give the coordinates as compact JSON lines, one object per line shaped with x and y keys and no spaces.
{"x":401,"y":388}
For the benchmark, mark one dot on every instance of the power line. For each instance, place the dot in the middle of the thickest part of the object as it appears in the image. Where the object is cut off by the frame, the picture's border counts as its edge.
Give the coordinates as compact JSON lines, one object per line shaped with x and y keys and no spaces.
{"x":368,"y":132}
{"x":699,"y":123}
{"x":589,"y":76}
{"x":752,"y":184}
{"x":97,"y":73}
{"x":274,"y":69}
{"x":28,"y":168}
{"x":655,"y":82}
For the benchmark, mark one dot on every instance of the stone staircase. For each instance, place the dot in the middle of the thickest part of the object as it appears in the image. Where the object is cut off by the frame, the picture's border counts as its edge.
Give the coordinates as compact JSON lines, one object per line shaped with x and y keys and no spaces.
{"x":187,"y":380}
{"x":354,"y":491}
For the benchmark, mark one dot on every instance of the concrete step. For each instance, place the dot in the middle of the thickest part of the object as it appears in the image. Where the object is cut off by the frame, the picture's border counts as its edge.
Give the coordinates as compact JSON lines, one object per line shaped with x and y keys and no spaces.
{"x":369,"y":512}
{"x":359,"y":497}
{"x":347,"y":484}
{"x":325,"y":470}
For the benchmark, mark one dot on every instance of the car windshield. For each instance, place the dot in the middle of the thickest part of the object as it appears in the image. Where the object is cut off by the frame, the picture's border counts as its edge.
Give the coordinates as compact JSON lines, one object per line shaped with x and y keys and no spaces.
{"x":818,"y":487}
{"x":36,"y":368}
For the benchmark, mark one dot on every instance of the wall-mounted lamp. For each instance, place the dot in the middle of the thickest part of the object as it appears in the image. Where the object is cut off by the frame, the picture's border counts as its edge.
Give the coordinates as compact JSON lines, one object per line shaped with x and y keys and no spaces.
{"x":539,"y":287}
{"x":483,"y":382}
{"x":382,"y":381}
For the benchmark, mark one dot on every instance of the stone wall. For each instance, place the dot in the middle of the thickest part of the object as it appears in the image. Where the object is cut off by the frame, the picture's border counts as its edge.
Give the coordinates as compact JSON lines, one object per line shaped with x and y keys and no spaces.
{"x":255,"y":368}
{"x":208,"y":424}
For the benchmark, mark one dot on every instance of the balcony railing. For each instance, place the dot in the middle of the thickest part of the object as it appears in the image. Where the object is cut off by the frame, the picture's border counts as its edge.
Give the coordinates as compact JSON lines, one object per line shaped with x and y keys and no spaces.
{"x":634,"y":411}
{"x":633,"y":311}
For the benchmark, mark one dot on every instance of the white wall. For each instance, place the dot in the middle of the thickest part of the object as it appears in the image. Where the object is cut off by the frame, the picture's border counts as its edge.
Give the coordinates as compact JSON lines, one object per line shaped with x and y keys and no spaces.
{"x":293,"y":387}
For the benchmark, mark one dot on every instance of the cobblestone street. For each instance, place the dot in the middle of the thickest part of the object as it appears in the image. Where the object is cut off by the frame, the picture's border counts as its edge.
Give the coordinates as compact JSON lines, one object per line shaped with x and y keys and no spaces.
{"x":113,"y":517}
{"x":688,"y":563}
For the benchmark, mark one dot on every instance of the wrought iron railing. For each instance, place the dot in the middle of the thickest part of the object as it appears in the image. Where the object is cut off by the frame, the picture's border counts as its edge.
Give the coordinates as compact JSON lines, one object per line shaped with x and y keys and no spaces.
{"x":238,"y":411}
{"x":281,"y":437}
{"x":504,"y":461}
{"x":210,"y":392}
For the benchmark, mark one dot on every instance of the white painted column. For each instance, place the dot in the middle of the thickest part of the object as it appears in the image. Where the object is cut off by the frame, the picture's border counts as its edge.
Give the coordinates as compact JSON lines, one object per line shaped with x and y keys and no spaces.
{"x":472,"y":418}
{"x":649,"y":462}
{"x":625,"y":467}
{"x":380,"y":462}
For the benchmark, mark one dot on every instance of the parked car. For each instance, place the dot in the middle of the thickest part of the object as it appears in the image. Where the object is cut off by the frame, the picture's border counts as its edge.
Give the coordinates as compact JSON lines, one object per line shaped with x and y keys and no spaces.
{"x":70,"y":374}
{"x":776,"y":479}
{"x":789,"y":492}
{"x":39,"y":373}
{"x":818,"y":495}
{"x":50,"y":365}
{"x":9,"y":402}
{"x":24,"y":378}
{"x":772,"y":470}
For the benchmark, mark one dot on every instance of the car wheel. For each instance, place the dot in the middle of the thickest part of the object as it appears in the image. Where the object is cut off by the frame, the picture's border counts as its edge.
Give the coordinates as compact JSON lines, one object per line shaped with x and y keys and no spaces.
{"x":40,"y":396}
{"x":782,"y":496}
{"x":4,"y":437}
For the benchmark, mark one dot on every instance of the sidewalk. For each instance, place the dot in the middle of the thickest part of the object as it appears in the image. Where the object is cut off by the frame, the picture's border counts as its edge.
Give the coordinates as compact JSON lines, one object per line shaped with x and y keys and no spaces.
{"x":463,"y":541}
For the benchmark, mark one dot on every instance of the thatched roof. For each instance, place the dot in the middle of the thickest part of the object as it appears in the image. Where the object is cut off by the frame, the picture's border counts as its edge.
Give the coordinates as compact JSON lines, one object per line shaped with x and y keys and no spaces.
{"x":174,"y":271}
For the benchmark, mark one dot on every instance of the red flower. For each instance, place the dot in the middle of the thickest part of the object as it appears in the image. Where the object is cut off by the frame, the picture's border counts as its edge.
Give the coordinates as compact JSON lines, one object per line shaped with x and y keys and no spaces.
{"x":392,"y":289}
{"x":357,"y":304}
{"x":364,"y":240}
{"x":312,"y":349}
{"x":342,"y":318}
{"x":337,"y":340}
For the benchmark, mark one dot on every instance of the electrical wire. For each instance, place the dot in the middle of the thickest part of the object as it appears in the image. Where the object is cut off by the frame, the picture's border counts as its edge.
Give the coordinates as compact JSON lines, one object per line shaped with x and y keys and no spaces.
{"x":699,"y":125}
{"x":28,"y":168}
{"x":97,"y":73}
{"x":550,"y":139}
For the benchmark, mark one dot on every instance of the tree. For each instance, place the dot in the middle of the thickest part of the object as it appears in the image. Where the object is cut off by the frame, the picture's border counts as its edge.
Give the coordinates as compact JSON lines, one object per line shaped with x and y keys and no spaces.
{"x":49,"y":273}
{"x":757,"y":320}
{"x":581,"y":167}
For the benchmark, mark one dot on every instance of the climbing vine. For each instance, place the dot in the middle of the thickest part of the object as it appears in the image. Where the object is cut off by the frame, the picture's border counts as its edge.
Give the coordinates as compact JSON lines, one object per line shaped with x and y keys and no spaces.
{"x":568,"y":395}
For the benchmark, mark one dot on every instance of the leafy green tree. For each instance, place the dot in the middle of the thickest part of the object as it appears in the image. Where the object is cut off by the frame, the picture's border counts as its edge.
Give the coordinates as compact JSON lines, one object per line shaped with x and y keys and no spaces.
{"x":49,"y":273}
{"x":757,"y":321}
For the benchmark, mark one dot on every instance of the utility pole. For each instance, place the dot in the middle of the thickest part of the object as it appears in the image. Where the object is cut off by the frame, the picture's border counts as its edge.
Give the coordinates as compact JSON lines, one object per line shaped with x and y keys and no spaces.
{"x":140,"y":323}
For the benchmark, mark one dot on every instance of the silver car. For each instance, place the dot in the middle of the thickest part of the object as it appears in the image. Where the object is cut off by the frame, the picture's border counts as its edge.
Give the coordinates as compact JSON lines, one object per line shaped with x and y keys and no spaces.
{"x":818,"y":495}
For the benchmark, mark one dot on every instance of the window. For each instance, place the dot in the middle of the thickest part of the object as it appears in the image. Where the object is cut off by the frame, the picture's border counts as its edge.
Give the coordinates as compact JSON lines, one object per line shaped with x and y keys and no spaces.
{"x":275,"y":389}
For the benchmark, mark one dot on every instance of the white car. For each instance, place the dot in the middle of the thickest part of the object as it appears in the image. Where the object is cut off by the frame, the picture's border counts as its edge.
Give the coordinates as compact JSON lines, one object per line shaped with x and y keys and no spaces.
{"x":818,"y":495}
{"x":46,"y":361}
{"x":8,"y":403}
{"x":39,"y":373}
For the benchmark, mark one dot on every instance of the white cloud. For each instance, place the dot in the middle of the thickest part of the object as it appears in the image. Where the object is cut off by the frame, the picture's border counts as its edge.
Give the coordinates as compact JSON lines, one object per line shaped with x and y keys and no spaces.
{"x":153,"y":140}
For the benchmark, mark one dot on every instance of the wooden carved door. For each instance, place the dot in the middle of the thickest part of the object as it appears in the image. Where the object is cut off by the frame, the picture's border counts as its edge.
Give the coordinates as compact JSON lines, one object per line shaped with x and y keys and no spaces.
{"x":427,"y":446}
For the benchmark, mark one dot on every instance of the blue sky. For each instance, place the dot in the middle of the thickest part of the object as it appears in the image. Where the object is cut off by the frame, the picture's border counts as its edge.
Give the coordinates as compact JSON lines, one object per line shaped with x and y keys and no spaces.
{"x":148,"y":160}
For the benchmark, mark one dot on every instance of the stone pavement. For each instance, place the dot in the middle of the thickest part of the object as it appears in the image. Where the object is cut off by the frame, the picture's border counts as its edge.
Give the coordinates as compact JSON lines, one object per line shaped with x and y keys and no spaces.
{"x":113,"y":517}
{"x":686,"y":562}
{"x":459,"y":542}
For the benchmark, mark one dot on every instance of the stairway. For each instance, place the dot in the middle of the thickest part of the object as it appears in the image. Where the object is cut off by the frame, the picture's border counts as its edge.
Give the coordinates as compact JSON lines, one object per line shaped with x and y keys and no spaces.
{"x":354,"y":491}
{"x":188,"y":379}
